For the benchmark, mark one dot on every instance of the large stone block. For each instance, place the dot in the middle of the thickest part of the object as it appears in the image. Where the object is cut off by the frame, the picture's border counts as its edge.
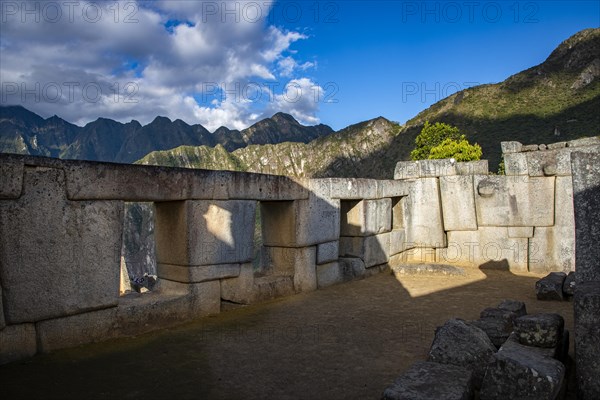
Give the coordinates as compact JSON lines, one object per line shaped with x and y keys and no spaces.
{"x":514,"y":201}
{"x":458,"y":203}
{"x":57,"y":257}
{"x":365,"y":217}
{"x":300,"y":223}
{"x":196,"y":274}
{"x":496,"y":323}
{"x":550,"y":287}
{"x":511,"y":147}
{"x":479,"y":167}
{"x":305,"y":269}
{"x":75,"y":330}
{"x":96,"y":181}
{"x":428,"y":380}
{"x":514,"y":306}
{"x":586,"y":189}
{"x":553,"y":248}
{"x":373,"y":250}
{"x":271,"y":287}
{"x":587,"y":141}
{"x":518,"y":374}
{"x":317,"y":220}
{"x":557,"y":145}
{"x":241,"y":288}
{"x":205,"y":232}
{"x":391,"y":188}
{"x":515,"y":164}
{"x":353,"y":188}
{"x":587,"y":339}
{"x":11,"y":177}
{"x":540,"y":330}
{"x":17,"y":342}
{"x":329,"y":274}
{"x":407,"y":170}
{"x":297,"y":262}
{"x":558,"y":352}
{"x":437,"y":168}
{"x":153,"y":311}
{"x":199,"y":299}
{"x":487,"y":245}
{"x":397,"y":241}
{"x":549,"y":162}
{"x":458,"y":343}
{"x":327,"y":252}
{"x":423,"y":214}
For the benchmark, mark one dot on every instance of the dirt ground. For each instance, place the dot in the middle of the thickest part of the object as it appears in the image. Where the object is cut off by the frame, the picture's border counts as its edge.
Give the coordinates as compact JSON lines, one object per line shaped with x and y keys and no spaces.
{"x":345,"y":342}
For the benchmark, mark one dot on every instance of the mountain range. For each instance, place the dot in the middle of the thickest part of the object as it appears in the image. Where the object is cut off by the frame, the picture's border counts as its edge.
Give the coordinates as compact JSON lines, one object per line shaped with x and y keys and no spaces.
{"x":24,"y":132}
{"x":555,"y":101}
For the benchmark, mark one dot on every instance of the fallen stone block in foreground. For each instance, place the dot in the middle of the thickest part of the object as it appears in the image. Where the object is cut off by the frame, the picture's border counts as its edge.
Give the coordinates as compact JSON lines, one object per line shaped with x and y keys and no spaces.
{"x":559,"y":352}
{"x":429,"y":380}
{"x":497,"y":324}
{"x":515,"y":306}
{"x":518,"y":373}
{"x":540,"y":330}
{"x":550,"y":287}
{"x":461,"y":344}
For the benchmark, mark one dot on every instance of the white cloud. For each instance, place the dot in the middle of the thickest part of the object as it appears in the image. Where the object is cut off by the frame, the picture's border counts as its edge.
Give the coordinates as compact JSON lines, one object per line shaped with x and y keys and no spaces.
{"x":300,"y":98}
{"x":288,"y":65}
{"x":118,"y":60}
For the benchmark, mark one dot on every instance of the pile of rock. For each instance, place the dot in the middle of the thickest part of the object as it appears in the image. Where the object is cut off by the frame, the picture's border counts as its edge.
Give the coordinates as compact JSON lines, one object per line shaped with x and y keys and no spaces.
{"x":505,"y":354}
{"x":556,"y":286}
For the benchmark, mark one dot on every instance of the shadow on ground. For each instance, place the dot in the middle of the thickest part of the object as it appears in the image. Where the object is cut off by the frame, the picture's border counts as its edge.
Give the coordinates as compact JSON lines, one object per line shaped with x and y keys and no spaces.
{"x":345,"y":342}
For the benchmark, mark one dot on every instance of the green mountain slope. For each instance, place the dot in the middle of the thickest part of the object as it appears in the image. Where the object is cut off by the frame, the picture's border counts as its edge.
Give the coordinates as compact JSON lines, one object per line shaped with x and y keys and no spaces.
{"x":554,"y":101}
{"x":334,"y":155}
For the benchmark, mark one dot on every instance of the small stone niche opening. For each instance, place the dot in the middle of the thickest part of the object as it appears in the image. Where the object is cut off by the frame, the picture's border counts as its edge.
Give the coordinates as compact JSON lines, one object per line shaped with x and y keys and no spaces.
{"x":398,"y":213}
{"x":138,"y":252}
{"x":350,"y":222}
{"x":278,"y":235}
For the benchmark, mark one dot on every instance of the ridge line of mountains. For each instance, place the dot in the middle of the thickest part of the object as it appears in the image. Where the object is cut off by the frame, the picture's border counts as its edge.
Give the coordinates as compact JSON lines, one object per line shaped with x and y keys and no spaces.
{"x":24,"y":132}
{"x":557,"y":100}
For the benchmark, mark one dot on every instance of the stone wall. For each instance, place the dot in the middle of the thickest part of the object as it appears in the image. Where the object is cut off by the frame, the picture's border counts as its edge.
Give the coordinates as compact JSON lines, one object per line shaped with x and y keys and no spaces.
{"x":459,"y":214}
{"x":61,"y":234}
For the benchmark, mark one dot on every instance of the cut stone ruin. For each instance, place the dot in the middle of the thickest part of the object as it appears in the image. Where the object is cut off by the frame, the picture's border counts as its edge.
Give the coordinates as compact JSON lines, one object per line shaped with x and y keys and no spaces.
{"x":506,"y":354}
{"x":556,"y":286}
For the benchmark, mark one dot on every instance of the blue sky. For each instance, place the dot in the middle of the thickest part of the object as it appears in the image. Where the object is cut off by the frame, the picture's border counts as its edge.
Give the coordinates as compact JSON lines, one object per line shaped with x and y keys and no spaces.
{"x":235,"y":62}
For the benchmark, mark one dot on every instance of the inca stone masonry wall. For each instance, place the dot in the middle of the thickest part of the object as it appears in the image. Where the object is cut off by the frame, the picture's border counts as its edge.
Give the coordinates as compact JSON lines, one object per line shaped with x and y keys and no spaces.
{"x":61,"y":229}
{"x":523,"y":221}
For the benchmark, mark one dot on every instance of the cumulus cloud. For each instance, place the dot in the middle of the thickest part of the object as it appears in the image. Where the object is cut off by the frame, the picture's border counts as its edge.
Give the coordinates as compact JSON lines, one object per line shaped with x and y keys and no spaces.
{"x":136,"y":60}
{"x":300,"y":98}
